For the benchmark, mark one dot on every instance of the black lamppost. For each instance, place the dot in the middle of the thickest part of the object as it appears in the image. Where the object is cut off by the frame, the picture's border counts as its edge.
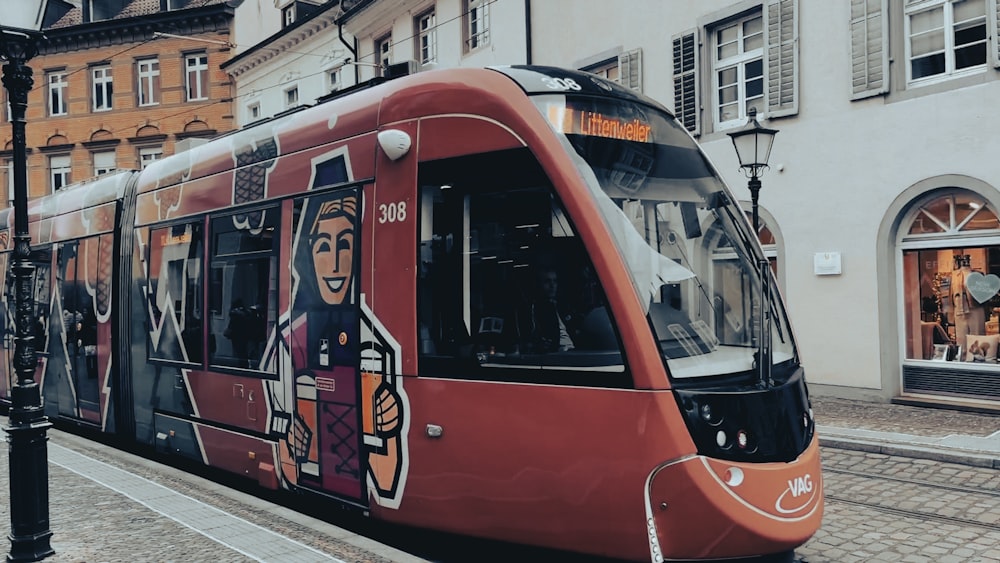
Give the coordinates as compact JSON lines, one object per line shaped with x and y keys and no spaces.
{"x":753,"y":147}
{"x":20,"y":31}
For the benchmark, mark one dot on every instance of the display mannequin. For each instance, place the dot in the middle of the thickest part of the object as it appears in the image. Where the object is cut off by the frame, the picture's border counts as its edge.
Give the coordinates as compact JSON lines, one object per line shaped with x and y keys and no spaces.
{"x":970,"y":317}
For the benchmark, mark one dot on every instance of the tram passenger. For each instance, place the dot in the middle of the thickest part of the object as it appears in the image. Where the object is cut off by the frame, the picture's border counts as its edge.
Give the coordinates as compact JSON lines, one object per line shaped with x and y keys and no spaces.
{"x":88,"y":338}
{"x":238,"y":332}
{"x":542,"y":323}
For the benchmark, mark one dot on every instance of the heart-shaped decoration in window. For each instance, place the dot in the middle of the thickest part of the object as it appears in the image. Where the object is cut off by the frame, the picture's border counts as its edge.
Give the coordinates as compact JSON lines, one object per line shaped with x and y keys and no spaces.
{"x":981,"y":287}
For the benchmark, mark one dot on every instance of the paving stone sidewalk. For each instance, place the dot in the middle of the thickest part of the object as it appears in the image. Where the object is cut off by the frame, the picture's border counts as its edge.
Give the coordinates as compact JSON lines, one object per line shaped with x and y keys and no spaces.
{"x":940,"y":434}
{"x":106,"y":505}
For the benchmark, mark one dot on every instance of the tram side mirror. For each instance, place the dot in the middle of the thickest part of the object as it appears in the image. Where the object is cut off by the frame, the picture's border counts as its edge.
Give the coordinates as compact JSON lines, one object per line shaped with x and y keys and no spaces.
{"x":394,"y":143}
{"x":689,"y":214}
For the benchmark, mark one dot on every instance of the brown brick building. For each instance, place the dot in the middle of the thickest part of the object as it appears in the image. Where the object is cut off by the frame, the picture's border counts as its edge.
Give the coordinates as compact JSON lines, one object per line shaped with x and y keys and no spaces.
{"x":120,"y":83}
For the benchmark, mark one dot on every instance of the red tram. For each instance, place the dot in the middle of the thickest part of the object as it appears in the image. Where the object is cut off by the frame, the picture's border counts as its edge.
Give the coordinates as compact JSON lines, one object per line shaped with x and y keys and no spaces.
{"x":515,"y":303}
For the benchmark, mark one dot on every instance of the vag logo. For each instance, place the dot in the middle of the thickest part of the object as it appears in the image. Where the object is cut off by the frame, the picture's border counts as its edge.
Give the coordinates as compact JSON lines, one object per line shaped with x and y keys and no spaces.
{"x":791,"y":499}
{"x":800,"y":485}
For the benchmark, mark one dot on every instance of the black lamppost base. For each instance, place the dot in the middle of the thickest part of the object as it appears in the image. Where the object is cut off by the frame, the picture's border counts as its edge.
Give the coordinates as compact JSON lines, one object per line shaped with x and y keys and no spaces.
{"x":26,"y":436}
{"x":28,"y":458}
{"x":34,"y":548}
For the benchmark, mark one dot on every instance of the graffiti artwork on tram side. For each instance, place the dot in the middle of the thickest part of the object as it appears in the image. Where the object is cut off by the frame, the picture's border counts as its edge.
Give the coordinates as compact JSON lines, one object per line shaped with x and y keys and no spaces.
{"x":342,"y":414}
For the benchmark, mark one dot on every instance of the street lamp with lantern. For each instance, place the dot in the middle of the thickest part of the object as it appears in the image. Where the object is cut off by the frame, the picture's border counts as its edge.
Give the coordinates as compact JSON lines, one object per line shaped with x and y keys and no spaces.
{"x":753,"y":148}
{"x":20,"y":32}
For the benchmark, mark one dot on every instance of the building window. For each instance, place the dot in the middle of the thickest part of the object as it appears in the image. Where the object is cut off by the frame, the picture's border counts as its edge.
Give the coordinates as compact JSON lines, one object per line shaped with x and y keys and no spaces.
{"x":606,"y":69}
{"x":253,"y":112}
{"x":738,"y":70}
{"x":103,"y":88}
{"x":59,"y":167}
{"x":288,"y":15}
{"x":333,"y":80}
{"x":945,"y":38}
{"x":291,"y":97}
{"x":426,"y":31}
{"x":747,"y":67}
{"x":625,"y":69}
{"x":148,"y":72}
{"x":196,"y":76}
{"x":57,"y":93}
{"x":104,"y":162}
{"x":477,"y":24}
{"x":148,"y":155}
{"x":8,"y":166}
{"x":383,"y":50}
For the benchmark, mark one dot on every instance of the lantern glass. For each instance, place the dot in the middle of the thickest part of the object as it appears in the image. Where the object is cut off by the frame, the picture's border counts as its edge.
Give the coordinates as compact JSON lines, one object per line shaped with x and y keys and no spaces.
{"x":28,"y":15}
{"x":753,"y":144}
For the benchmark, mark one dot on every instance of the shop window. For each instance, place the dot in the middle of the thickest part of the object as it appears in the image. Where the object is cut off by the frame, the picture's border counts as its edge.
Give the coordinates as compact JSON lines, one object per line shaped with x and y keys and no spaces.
{"x":951,"y":281}
{"x":175,"y":289}
{"x":506,"y":290}
{"x":243,"y":293}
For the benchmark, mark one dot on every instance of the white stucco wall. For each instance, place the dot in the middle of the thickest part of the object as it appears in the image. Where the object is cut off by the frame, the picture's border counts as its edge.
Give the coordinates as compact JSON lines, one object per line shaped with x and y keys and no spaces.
{"x":842,"y":163}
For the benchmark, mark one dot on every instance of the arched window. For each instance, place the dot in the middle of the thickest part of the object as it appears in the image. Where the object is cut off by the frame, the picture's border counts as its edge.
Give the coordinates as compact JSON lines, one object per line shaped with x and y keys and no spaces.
{"x":950,"y":245}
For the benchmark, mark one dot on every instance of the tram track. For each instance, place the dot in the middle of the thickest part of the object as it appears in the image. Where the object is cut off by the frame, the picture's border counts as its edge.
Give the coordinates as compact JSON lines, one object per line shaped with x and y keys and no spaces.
{"x":916,"y":514}
{"x":910,"y":481}
{"x":987,"y":496}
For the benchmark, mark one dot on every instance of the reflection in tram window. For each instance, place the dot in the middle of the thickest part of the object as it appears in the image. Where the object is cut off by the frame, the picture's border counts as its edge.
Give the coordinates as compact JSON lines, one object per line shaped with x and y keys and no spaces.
{"x":243,"y":300}
{"x":506,"y":283}
{"x":175,"y":282}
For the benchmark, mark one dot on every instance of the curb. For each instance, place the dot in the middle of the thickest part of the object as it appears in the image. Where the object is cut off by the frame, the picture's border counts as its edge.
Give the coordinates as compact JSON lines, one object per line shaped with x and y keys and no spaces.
{"x":918,"y":447}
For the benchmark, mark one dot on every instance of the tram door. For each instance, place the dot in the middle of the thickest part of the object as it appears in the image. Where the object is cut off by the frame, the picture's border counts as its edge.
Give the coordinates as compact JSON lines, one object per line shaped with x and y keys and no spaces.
{"x":325,"y":332}
{"x":79,"y":334}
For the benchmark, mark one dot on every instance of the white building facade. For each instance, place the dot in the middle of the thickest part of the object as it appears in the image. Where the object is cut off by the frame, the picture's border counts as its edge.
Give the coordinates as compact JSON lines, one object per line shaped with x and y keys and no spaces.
{"x":881,"y":202}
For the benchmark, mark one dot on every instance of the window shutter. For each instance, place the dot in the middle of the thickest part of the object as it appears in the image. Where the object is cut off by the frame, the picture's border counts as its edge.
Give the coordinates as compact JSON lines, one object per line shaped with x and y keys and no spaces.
{"x":993,"y":17}
{"x":782,"y":58}
{"x":630,"y":69}
{"x":869,"y":51}
{"x":686,"y":81}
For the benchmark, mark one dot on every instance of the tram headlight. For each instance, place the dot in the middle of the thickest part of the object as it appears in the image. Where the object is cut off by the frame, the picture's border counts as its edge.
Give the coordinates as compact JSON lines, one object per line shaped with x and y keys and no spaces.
{"x":709,"y":415}
{"x":722,"y":440}
{"x":734,"y":477}
{"x":742,"y":439}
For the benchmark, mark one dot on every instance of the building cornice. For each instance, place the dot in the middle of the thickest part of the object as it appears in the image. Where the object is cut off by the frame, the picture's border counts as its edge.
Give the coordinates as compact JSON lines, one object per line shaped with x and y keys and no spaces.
{"x":206,"y":19}
{"x":283,"y":41}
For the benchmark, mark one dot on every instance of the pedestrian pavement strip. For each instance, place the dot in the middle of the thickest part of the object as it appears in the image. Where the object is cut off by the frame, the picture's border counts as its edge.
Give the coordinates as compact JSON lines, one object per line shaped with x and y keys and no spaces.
{"x":244,"y":537}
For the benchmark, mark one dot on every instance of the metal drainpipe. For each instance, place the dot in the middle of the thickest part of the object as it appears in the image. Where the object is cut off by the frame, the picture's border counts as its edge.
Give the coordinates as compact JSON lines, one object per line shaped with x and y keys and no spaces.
{"x":527,"y":31}
{"x":352,"y":48}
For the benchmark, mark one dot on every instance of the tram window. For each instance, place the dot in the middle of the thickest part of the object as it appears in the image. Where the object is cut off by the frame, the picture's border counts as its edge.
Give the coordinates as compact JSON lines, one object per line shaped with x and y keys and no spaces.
{"x":506,"y":289}
{"x":42,"y":260}
{"x":175,"y":289}
{"x":7,"y":325}
{"x":243,"y":296}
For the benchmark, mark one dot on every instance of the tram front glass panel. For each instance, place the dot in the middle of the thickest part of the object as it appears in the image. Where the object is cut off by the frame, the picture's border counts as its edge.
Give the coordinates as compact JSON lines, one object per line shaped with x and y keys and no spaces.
{"x":683,"y":236}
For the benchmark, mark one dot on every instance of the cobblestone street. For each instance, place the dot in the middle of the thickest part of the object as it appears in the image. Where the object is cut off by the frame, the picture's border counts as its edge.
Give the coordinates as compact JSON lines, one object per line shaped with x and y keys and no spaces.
{"x":888,"y":508}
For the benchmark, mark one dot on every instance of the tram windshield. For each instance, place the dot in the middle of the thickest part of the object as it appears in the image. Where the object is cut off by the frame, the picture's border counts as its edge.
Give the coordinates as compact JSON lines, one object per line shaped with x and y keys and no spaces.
{"x":685,"y":240}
